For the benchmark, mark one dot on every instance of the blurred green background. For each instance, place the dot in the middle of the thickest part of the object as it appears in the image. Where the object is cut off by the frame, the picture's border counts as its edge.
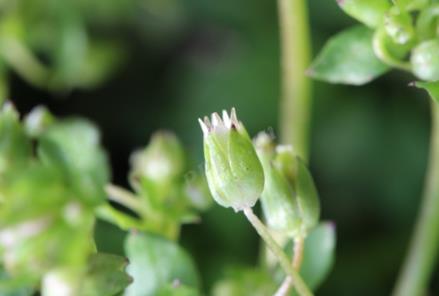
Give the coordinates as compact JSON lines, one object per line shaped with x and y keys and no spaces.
{"x":183,"y":59}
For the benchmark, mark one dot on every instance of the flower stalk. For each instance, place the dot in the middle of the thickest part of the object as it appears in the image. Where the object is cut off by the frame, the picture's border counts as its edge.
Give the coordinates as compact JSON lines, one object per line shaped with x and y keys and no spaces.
{"x":422,"y":255}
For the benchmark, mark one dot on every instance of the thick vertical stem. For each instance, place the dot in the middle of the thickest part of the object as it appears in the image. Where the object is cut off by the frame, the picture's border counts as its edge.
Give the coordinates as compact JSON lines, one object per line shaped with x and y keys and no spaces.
{"x":422,"y":255}
{"x":296,"y":89}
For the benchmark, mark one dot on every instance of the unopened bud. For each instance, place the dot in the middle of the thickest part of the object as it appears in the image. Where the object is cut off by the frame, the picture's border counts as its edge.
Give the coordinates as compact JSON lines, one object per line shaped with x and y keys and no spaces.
{"x":233,"y":170}
{"x":425,"y":60}
{"x":161,"y":161}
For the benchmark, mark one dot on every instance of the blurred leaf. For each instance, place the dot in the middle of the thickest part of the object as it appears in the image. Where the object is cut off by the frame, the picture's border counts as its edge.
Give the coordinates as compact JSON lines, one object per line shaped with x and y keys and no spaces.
{"x":411,"y":4}
{"x":369,"y":12}
{"x":348,"y":58}
{"x":101,"y":61}
{"x":156,"y":262}
{"x":37,"y":121}
{"x":72,"y":146}
{"x":319,"y":254}
{"x":177,"y":290}
{"x":15,"y":147}
{"x":11,"y":287}
{"x":245,"y":282}
{"x":105,"y":275}
{"x":432,"y":88}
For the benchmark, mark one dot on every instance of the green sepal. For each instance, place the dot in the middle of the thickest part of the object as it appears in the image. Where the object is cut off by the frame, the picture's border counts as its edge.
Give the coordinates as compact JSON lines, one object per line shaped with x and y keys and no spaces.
{"x":348,"y":58}
{"x":307,"y":196}
{"x":369,"y":12}
{"x":427,"y":23}
{"x":399,"y":26}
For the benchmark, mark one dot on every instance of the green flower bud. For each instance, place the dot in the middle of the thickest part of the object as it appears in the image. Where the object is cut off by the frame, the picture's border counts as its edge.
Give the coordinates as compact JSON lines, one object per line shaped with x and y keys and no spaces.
{"x":162,"y":161}
{"x":290,"y":200}
{"x":278,"y":200}
{"x":425,"y":60}
{"x":233,"y":171}
{"x":399,"y":26}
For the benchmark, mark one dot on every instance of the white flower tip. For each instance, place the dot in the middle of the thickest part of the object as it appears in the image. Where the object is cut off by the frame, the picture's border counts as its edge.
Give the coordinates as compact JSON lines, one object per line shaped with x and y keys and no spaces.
{"x":216,"y":120}
{"x":226,"y":119}
{"x":204,"y":127}
{"x":284,"y":148}
{"x":233,"y":117}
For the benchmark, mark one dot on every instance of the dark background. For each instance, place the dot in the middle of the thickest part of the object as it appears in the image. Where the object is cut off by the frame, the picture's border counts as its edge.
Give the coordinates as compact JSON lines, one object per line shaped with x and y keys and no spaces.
{"x":188,"y":58}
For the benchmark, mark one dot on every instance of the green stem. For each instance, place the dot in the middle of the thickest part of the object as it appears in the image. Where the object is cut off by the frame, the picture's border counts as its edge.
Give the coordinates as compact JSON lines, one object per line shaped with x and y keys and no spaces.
{"x":262,"y":230}
{"x":419,"y":264}
{"x":298,"y":249}
{"x":295,"y":104}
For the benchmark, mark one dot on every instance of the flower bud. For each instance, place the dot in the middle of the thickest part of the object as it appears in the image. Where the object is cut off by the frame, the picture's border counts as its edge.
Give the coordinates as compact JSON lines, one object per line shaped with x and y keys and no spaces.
{"x":399,"y":26}
{"x":233,"y":171}
{"x":425,"y":60}
{"x":278,"y":200}
{"x":290,"y":200}
{"x":161,"y":161}
{"x":38,"y":120}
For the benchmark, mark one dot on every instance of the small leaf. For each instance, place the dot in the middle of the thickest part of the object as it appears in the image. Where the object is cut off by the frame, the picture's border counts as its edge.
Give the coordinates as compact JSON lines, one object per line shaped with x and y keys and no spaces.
{"x":155,"y":263}
{"x":318,"y":254}
{"x":369,"y":12}
{"x":72,"y":146}
{"x":432,"y":88}
{"x":245,"y":282}
{"x":15,"y":147}
{"x":411,"y":4}
{"x":348,"y":58}
{"x":105,"y":275}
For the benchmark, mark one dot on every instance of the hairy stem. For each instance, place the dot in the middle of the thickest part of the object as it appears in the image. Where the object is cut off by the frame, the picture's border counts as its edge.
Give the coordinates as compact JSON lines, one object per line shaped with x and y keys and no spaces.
{"x":422,"y":255}
{"x":284,"y":262}
{"x":285,"y":287}
{"x":295,"y":104}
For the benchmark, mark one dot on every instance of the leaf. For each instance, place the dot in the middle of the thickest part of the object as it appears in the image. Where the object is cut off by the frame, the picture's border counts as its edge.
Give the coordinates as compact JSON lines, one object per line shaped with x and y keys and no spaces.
{"x":15,"y":147}
{"x":13,"y":287}
{"x":348,"y":58}
{"x":72,"y":147}
{"x":319,"y":254}
{"x":369,"y":12}
{"x":245,"y":282}
{"x":411,"y":4}
{"x":432,"y":88}
{"x":156,"y":262}
{"x":177,"y":290}
{"x":105,"y":275}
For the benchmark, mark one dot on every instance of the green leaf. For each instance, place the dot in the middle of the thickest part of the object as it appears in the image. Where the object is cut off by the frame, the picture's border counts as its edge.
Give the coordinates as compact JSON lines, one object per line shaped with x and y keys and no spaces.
{"x":245,"y":282}
{"x":177,"y":290}
{"x":319,"y":254}
{"x":411,"y":4}
{"x":369,"y":12}
{"x":13,"y":287}
{"x":72,"y":147}
{"x":15,"y":147}
{"x":155,"y":263}
{"x":425,"y":60}
{"x":432,"y":88}
{"x":105,"y":275}
{"x":348,"y":58}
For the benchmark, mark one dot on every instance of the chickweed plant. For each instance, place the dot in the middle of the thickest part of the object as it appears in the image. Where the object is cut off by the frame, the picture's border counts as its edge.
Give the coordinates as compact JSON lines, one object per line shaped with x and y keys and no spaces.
{"x":55,"y":176}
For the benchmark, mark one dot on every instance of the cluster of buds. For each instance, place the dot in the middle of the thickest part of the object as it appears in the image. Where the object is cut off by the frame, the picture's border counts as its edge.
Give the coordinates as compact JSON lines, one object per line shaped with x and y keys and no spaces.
{"x":238,"y":174}
{"x":406,"y":32}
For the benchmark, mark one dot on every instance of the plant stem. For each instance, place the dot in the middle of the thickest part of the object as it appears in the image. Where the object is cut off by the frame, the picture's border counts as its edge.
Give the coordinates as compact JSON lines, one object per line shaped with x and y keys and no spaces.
{"x":295,"y":104}
{"x":421,"y":258}
{"x":262,"y":230}
{"x":124,"y":198}
{"x":285,"y":287}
